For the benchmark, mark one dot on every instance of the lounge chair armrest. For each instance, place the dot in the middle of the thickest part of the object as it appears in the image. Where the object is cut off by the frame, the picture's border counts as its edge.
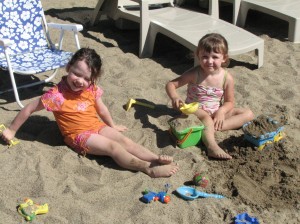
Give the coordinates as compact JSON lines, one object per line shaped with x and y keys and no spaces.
{"x":138,"y":1}
{"x":5,"y":42}
{"x":154,"y":1}
{"x":68,"y":27}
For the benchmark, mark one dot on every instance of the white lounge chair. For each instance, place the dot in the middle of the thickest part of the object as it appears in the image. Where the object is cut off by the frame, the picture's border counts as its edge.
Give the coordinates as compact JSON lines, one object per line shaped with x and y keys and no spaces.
{"x":182,"y":25}
{"x":288,"y":10}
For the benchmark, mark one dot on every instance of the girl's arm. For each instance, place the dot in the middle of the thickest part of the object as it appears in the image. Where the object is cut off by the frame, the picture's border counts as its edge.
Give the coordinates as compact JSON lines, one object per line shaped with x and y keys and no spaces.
{"x":228,"y":103}
{"x":105,"y":115}
{"x":171,"y":86}
{"x":21,"y":117}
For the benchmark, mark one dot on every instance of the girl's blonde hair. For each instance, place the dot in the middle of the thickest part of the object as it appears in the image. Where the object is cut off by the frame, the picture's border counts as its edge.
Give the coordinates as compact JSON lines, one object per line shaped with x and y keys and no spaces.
{"x":214,"y":42}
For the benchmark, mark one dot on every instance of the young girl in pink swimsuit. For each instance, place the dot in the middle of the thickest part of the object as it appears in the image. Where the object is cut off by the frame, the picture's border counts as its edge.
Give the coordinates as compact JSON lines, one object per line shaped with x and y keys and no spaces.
{"x":213,"y":87}
{"x":76,"y":104}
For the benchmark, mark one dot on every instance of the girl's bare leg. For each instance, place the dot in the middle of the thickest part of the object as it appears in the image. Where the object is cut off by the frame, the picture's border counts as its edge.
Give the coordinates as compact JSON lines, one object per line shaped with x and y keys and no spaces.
{"x":101,"y":145}
{"x":208,"y":137}
{"x":134,"y":148}
{"x":236,"y":118}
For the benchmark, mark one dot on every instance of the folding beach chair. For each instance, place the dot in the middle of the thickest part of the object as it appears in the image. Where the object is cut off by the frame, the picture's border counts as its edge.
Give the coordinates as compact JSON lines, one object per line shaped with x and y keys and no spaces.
{"x":25,"y":44}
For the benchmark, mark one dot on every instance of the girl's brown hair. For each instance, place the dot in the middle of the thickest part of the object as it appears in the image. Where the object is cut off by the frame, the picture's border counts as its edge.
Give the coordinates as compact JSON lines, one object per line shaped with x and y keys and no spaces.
{"x":214,"y":42}
{"x":92,"y":59}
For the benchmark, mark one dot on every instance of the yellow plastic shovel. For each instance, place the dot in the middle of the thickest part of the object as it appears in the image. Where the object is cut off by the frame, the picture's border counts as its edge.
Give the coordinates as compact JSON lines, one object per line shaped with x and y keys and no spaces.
{"x":133,"y":101}
{"x":11,"y":142}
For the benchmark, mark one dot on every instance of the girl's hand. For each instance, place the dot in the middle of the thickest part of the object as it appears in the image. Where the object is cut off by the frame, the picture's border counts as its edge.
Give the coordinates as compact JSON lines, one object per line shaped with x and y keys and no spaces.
{"x":8,"y":135}
{"x":218,"y":118}
{"x":120,"y":128}
{"x":177,"y":103}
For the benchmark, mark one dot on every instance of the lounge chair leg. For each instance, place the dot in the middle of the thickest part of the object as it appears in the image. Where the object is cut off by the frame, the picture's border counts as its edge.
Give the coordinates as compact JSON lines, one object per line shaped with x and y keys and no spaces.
{"x":147,"y":36}
{"x":294,"y":30}
{"x":242,"y":16}
{"x":260,"y":56}
{"x":96,"y":13}
{"x":147,"y":46}
{"x":213,"y":10}
{"x":236,"y":8}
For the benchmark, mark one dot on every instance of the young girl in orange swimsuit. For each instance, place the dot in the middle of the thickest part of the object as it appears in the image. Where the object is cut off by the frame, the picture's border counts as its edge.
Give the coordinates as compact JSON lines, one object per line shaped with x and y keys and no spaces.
{"x":213,"y":87}
{"x":76,"y":104}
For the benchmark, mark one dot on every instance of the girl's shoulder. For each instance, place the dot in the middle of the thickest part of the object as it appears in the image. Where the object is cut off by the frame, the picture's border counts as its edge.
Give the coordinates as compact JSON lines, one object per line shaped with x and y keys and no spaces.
{"x":228,"y":78}
{"x":95,"y":90}
{"x":227,"y":75}
{"x":192,"y":74}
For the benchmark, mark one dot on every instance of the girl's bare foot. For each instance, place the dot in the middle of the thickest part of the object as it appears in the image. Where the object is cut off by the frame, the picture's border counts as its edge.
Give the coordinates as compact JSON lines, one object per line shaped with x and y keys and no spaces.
{"x":162,"y":170}
{"x":164,"y":159}
{"x":218,"y":153}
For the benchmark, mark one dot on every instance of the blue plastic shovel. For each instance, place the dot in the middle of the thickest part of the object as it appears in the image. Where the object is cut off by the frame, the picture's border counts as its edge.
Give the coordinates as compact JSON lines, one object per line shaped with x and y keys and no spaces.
{"x":190,"y":193}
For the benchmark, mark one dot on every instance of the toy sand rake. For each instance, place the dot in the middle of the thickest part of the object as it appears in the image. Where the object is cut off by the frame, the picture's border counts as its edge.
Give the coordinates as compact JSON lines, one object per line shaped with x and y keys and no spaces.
{"x":133,"y":101}
{"x":11,"y":142}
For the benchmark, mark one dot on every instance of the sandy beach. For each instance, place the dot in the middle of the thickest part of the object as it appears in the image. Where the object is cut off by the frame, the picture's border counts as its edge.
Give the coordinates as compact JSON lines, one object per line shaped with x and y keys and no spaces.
{"x":263,"y":183}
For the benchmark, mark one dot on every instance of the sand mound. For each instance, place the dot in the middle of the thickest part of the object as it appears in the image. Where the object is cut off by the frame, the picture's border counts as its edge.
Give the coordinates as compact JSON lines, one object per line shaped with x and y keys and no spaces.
{"x":183,"y":122}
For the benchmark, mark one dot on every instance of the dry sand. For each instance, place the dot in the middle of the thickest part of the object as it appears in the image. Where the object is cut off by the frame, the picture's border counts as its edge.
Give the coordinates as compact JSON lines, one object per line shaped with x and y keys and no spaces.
{"x":95,"y":190}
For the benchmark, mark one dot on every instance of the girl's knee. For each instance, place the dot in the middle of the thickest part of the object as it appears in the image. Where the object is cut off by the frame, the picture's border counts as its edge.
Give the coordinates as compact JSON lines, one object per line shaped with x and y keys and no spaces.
{"x":207,"y":121}
{"x":203,"y":116}
{"x":127,"y":142}
{"x":114,"y":149}
{"x":249,"y":115}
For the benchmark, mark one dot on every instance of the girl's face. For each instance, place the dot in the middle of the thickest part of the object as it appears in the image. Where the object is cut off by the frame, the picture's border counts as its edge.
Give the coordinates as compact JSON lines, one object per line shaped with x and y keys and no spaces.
{"x":211,"y":61}
{"x":79,"y":76}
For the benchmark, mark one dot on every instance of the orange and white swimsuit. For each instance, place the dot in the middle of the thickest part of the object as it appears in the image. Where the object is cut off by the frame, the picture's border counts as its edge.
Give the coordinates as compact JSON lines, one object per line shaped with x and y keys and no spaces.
{"x":74,"y":112}
{"x":209,"y":98}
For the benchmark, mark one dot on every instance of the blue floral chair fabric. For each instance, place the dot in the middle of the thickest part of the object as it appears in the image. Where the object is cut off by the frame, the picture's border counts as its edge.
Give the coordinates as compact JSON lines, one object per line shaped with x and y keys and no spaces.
{"x":25,"y":44}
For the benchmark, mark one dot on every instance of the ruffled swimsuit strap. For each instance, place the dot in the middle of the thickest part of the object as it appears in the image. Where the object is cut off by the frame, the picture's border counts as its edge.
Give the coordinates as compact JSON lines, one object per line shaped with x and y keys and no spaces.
{"x":224,"y":79}
{"x":198,"y":76}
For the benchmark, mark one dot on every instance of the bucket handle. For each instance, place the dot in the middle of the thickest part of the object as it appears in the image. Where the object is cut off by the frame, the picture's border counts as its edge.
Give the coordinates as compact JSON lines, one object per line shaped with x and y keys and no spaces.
{"x":185,"y":137}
